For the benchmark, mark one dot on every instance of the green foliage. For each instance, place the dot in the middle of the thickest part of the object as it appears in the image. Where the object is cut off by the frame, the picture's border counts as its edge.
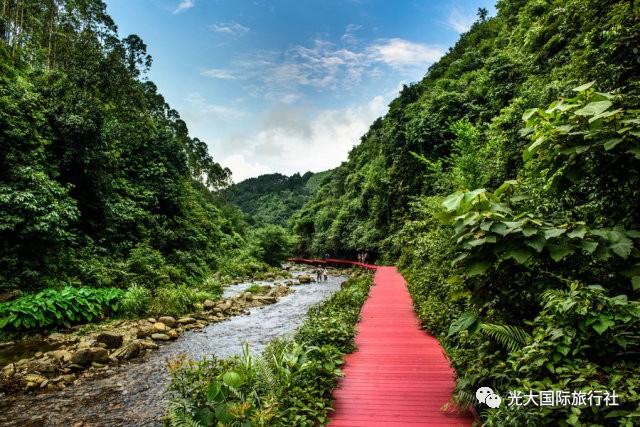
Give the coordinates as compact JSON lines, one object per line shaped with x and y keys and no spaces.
{"x":272,"y":199}
{"x":100,"y":182}
{"x":290,"y":383}
{"x":63,"y":308}
{"x":517,"y":249}
{"x":177,"y":300}
{"x":273,"y":244}
{"x":135,"y":301}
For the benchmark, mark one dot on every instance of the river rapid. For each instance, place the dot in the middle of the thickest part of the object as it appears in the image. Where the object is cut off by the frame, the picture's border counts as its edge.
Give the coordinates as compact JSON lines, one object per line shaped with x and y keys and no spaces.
{"x":133,"y":394}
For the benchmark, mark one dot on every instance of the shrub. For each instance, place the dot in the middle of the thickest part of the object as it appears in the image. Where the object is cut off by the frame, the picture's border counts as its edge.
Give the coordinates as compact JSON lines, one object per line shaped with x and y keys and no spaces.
{"x":135,"y":301}
{"x":56,"y":308}
{"x":290,"y":383}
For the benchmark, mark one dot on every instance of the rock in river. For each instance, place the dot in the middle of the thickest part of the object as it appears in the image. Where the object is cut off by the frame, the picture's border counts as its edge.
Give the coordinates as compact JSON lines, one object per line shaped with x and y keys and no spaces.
{"x":168,"y":320}
{"x":129,"y":351}
{"x":110,"y":339}
{"x":87,"y":355}
{"x":160,"y":337}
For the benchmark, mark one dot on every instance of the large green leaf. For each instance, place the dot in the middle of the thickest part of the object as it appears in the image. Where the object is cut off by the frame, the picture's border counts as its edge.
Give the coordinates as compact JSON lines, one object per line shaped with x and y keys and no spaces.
{"x":584,"y":87}
{"x":622,"y":248}
{"x":593,"y":108}
{"x":222,"y":413}
{"x":477,"y":268}
{"x":233,"y":379}
{"x":463,"y":322}
{"x":453,"y":201}
{"x":521,"y":255}
{"x":554,"y":232}
{"x":558,"y":252}
{"x":602,"y":324}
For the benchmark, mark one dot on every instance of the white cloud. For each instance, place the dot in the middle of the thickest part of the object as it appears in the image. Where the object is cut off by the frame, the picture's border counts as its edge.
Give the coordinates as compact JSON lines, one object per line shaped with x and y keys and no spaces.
{"x":219,"y":73}
{"x":204,"y":108}
{"x":398,"y":53}
{"x":303,"y":142}
{"x":232,"y":28}
{"x":242,"y":169}
{"x":459,"y":21}
{"x":325,"y":66}
{"x":184,"y":5}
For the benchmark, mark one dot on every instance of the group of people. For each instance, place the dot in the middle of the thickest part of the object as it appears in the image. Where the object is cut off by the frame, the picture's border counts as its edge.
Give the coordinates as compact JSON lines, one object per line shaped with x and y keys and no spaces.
{"x":321,"y":273}
{"x":363,"y":257}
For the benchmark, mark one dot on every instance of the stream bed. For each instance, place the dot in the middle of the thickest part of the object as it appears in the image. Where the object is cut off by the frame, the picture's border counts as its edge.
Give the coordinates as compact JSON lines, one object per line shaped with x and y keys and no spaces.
{"x":133,"y":394}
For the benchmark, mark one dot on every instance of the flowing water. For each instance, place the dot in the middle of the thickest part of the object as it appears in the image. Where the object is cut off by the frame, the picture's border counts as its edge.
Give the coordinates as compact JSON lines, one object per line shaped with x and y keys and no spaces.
{"x":132,"y":394}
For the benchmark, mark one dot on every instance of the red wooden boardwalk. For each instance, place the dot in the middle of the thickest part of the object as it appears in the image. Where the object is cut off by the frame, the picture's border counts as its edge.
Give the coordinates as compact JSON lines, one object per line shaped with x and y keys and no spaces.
{"x":399,"y":375}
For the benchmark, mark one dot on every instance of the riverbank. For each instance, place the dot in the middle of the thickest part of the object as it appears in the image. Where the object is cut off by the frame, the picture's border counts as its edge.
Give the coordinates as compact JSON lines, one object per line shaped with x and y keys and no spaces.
{"x":132,"y":393}
{"x":59,"y":359}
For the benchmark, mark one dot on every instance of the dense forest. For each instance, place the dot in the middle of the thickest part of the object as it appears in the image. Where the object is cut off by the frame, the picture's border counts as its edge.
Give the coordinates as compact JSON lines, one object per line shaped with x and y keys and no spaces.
{"x":100,"y":183}
{"x":273,"y":198}
{"x":506,"y":184}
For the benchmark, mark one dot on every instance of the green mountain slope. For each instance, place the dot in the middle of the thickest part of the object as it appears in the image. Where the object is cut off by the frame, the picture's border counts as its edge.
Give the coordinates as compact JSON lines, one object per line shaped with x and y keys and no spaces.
{"x":505,"y":184}
{"x":273,"y":198}
{"x":100,"y":182}
{"x":526,"y":56}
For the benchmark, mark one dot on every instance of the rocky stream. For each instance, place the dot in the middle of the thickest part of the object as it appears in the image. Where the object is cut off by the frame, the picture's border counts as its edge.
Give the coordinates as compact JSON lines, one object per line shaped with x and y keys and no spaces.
{"x":131,"y":393}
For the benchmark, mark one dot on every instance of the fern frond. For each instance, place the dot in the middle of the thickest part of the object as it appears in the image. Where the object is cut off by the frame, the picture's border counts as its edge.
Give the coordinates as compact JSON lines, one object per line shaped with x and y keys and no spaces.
{"x":179,"y":418}
{"x":265,"y":377}
{"x":511,"y":337}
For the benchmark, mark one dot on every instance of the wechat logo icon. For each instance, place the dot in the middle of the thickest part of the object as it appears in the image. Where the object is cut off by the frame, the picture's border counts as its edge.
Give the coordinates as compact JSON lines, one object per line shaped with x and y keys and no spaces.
{"x":487,"y":396}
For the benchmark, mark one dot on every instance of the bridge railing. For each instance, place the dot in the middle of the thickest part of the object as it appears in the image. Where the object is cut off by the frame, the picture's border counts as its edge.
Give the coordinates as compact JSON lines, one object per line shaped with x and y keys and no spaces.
{"x":332,"y":262}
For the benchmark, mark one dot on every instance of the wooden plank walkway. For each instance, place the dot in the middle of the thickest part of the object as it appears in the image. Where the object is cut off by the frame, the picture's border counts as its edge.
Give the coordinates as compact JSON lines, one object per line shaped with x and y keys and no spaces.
{"x":399,"y":375}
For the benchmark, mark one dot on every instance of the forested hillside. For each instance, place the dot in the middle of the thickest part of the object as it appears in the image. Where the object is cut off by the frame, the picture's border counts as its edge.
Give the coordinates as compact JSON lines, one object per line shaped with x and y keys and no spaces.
{"x":100,"y":182}
{"x":506,"y":183}
{"x":273,"y":198}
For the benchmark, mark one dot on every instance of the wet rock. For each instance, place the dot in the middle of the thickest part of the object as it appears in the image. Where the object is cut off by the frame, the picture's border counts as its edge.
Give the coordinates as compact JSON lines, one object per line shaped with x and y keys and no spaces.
{"x":110,"y":339}
{"x":85,"y":344}
{"x":248,"y":296}
{"x":201,"y":316}
{"x":208,"y":304}
{"x":151,"y":320}
{"x":149,"y":345}
{"x":6,"y":344}
{"x":144,"y":331}
{"x":224,"y":306}
{"x":42,"y":366}
{"x":160,"y":337}
{"x":33,"y":380}
{"x":186,"y":320}
{"x":22,"y":363}
{"x":87,"y":355}
{"x":168,"y":320}
{"x":9,"y":370}
{"x":129,"y":351}
{"x":62,"y":356}
{"x":57,"y":337}
{"x":173,"y":334}
{"x":159,"y":327}
{"x":305,"y":279}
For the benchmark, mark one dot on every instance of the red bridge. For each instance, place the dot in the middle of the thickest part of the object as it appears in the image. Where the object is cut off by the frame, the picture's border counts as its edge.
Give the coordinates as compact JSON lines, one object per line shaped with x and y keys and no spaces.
{"x":399,"y":376}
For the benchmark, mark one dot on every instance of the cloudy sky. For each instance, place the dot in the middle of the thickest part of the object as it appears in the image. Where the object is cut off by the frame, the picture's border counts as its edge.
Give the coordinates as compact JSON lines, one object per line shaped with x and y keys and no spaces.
{"x":288,"y":85}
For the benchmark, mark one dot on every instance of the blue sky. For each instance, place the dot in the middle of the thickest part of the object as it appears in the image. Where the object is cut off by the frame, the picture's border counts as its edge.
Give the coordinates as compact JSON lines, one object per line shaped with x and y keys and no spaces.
{"x":288,"y":85}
